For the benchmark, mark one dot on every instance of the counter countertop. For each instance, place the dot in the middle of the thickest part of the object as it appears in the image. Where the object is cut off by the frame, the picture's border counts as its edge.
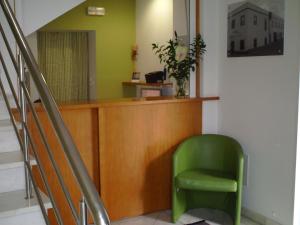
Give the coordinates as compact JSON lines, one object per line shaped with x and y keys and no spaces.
{"x":140,"y":83}
{"x":130,"y":101}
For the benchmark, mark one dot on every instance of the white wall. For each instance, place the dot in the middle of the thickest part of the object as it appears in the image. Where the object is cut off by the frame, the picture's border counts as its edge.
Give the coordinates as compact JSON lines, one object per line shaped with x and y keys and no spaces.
{"x":4,"y":52}
{"x":37,"y":13}
{"x":297,"y":183}
{"x":32,"y":42}
{"x":258,"y":107}
{"x":154,"y":23}
{"x":210,"y":70}
{"x":180,"y":20}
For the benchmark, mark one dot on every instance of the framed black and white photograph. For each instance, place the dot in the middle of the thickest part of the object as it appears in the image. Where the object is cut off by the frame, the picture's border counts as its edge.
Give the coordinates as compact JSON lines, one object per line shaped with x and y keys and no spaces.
{"x":255,"y":28}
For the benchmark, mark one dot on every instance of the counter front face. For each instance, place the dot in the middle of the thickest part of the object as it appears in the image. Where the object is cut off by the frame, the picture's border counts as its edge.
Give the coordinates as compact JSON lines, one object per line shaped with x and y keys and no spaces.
{"x":136,"y":147}
{"x":127,"y":146}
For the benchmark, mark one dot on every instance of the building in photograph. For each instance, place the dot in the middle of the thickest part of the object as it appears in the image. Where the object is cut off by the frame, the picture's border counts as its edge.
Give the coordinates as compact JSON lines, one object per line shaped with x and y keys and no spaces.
{"x":254,"y":31}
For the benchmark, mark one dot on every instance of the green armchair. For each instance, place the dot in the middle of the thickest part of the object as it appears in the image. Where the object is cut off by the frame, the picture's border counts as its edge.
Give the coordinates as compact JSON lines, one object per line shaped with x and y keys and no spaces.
{"x":208,"y":173}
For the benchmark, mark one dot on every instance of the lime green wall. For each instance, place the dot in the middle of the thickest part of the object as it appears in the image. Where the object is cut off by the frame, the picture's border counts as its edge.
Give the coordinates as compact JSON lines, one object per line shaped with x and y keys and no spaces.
{"x":115,"y":34}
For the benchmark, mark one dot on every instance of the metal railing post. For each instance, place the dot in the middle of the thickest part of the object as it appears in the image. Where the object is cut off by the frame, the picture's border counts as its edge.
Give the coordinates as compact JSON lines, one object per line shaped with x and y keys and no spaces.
{"x":83,"y":213}
{"x":24,"y":122}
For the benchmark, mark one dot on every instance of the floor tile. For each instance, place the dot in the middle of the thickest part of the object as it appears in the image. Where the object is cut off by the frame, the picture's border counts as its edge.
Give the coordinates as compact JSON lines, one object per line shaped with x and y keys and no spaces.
{"x":165,"y":219}
{"x":148,"y":219}
{"x":213,"y":217}
{"x":246,"y":221}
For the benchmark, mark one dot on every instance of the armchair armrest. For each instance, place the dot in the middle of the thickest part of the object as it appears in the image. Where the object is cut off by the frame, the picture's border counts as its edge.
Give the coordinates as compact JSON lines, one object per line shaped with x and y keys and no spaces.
{"x":240,"y":165}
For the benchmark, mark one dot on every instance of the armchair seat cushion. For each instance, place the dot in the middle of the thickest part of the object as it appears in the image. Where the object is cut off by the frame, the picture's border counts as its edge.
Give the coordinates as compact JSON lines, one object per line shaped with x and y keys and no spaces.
{"x":206,"y":180}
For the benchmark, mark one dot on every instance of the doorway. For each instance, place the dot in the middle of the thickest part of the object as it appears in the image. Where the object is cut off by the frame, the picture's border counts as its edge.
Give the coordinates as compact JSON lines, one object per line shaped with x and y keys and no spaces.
{"x":67,"y":61}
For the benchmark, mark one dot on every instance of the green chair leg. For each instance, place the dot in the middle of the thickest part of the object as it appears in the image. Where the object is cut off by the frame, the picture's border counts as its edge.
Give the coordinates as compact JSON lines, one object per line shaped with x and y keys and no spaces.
{"x":179,"y":205}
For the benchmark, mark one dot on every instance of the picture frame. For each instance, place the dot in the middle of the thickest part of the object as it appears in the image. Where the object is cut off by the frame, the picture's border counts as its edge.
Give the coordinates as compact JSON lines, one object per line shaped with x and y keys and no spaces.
{"x":255,"y":28}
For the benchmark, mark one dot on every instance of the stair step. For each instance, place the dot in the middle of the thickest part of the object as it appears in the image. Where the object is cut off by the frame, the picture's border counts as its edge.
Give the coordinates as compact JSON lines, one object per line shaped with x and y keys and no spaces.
{"x":8,"y":138}
{"x":15,"y":209}
{"x":6,"y":125}
{"x":3,"y":111}
{"x":9,"y":160}
{"x":12,"y":171}
{"x":13,"y":203}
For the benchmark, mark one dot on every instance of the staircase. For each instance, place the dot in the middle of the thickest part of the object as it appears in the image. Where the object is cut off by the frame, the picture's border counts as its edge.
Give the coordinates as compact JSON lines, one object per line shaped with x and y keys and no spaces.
{"x":14,"y":208}
{"x":17,"y":177}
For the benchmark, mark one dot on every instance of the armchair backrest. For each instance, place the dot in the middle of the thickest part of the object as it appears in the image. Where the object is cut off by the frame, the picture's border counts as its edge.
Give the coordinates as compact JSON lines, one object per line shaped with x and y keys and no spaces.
{"x":211,"y":151}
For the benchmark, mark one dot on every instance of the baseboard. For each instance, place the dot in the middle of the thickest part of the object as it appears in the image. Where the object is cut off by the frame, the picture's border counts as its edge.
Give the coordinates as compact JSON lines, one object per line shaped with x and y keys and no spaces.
{"x":258,"y":218}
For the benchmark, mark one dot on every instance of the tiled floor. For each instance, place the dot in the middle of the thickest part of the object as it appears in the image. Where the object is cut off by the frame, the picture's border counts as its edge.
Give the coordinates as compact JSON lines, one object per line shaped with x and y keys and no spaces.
{"x":213,"y":217}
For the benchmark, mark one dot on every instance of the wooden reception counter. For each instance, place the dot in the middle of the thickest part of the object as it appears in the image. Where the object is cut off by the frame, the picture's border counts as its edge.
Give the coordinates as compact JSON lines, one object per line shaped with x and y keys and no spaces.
{"x":127,"y":146}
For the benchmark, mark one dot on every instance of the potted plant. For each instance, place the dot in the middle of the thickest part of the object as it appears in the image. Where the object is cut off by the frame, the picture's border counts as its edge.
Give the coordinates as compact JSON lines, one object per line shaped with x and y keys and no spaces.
{"x":179,"y":59}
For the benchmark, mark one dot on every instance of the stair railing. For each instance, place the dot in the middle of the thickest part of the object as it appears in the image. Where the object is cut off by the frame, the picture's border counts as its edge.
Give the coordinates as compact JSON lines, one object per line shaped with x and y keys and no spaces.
{"x":90,"y":201}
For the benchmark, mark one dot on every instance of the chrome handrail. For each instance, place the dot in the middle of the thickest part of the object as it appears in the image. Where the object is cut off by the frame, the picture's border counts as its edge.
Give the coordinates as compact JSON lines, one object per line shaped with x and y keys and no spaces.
{"x":87,"y":187}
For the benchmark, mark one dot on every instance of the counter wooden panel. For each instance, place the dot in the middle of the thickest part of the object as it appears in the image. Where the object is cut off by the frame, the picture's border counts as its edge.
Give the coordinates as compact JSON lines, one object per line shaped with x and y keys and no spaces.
{"x":136,"y":147}
{"x":127,"y":146}
{"x":81,"y":124}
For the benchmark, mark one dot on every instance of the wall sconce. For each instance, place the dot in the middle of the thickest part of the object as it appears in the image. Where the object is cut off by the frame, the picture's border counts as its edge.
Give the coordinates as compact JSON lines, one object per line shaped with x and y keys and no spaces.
{"x":134,"y":52}
{"x":95,"y":11}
